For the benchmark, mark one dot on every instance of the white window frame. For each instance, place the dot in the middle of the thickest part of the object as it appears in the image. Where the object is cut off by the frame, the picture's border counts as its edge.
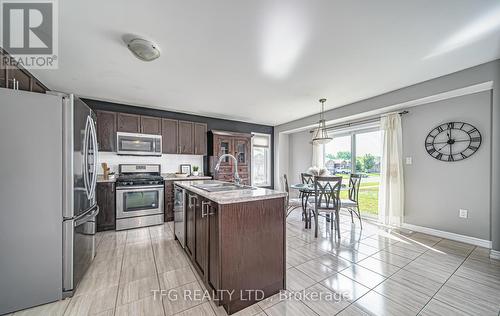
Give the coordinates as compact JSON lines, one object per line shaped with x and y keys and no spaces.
{"x":269,"y":175}
{"x":352,"y":134}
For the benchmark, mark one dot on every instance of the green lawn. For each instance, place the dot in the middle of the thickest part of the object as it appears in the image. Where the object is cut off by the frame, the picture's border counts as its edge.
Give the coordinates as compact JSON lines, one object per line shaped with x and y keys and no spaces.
{"x":368,"y":193}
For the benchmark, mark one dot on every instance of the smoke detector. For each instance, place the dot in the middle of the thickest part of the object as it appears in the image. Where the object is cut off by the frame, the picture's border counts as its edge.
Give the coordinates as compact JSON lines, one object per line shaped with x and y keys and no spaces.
{"x":143,"y":49}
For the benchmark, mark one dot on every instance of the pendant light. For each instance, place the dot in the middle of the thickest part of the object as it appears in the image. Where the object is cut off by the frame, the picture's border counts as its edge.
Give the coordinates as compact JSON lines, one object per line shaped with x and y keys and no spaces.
{"x":321,"y":135}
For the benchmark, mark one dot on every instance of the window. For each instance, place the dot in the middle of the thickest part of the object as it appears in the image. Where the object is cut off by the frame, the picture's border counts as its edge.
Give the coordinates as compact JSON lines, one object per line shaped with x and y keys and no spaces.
{"x":261,"y":160}
{"x":357,"y":151}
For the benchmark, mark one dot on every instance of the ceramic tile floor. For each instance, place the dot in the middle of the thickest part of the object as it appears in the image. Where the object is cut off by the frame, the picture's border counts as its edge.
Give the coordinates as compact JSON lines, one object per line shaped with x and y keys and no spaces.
{"x":378,"y":271}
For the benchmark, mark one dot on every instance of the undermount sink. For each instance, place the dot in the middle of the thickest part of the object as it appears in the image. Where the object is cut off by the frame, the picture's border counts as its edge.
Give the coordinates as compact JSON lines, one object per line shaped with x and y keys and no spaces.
{"x":221,"y":186}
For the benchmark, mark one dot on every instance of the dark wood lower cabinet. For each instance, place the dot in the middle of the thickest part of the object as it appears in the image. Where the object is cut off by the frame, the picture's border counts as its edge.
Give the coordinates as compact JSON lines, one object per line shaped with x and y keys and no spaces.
{"x":190,"y":224}
{"x":168,"y":201}
{"x":238,"y":248}
{"x":105,"y":194}
{"x":213,"y":273}
{"x":200,"y":236}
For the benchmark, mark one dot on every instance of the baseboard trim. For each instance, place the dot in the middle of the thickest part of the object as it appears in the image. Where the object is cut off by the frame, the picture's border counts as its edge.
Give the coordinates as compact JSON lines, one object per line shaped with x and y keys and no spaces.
{"x":452,"y":236}
{"x":495,"y":254}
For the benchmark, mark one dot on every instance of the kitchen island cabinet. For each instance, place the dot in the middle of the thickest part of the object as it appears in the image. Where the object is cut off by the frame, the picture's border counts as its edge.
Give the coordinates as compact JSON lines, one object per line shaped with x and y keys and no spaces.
{"x":236,"y":242}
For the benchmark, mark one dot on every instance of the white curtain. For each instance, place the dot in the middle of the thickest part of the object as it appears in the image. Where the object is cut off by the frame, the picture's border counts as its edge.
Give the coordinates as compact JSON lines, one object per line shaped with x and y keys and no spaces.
{"x":317,"y":154}
{"x":391,"y":194}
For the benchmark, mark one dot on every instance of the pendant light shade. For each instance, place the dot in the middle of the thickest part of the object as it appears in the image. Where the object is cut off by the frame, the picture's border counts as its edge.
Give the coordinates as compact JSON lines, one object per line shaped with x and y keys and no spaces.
{"x":320,"y":135}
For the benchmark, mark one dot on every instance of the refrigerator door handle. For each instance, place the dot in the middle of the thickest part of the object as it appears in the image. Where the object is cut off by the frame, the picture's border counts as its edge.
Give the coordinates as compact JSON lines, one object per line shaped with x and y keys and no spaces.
{"x":86,"y":179}
{"x":85,"y":218}
{"x":93,"y":134}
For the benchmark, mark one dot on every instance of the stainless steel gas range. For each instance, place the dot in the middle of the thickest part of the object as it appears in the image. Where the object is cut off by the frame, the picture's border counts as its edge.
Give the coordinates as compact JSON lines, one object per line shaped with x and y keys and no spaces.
{"x":139,"y":196}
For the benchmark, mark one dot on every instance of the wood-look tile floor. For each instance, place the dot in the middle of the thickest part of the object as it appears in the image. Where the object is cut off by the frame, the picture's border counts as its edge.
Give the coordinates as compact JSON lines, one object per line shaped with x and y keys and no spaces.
{"x":378,"y":271}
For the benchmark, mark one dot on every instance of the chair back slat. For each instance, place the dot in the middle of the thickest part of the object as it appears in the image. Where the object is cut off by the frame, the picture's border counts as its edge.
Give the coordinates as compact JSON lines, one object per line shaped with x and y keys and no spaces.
{"x":287,"y":190}
{"x":307,"y":178}
{"x":327,"y":192}
{"x":354,"y":182}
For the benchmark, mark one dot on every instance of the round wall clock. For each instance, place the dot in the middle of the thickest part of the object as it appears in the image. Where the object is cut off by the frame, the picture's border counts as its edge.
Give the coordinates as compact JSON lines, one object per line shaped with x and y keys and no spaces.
{"x":453,"y":141}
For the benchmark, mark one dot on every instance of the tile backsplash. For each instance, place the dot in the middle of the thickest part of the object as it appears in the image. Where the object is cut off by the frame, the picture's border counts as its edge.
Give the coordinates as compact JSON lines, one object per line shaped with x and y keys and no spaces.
{"x":169,"y":163}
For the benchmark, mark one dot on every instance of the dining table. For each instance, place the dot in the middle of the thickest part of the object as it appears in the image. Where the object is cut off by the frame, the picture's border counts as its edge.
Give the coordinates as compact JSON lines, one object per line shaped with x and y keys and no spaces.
{"x":307,"y":190}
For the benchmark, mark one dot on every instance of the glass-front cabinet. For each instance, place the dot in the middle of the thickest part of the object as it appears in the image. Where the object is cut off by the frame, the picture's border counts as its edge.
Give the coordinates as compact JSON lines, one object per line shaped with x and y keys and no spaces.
{"x":241,"y":151}
{"x":236,"y":144}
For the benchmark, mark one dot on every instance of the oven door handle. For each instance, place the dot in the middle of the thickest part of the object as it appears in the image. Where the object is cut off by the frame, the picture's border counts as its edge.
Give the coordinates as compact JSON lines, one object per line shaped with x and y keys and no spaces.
{"x":138,"y":188}
{"x":86,"y":217}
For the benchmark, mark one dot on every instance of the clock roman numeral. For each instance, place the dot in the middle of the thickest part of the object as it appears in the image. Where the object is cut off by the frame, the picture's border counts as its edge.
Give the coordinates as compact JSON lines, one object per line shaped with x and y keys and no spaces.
{"x":475,"y":139}
{"x":472,"y":131}
{"x":463,"y":156}
{"x":450,"y":158}
{"x":474,"y":148}
{"x":440,"y":129}
{"x":439,"y":156}
{"x":431,"y":150}
{"x":428,"y":145}
{"x":451,"y":125}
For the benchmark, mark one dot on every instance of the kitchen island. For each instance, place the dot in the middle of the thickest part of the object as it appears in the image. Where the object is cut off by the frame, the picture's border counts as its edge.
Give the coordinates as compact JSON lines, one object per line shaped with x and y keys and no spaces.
{"x":235,"y":238}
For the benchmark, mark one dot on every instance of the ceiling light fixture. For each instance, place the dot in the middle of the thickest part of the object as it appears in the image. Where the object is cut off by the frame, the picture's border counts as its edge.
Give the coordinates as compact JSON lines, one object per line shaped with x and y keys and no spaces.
{"x":143,"y":49}
{"x":320,"y":135}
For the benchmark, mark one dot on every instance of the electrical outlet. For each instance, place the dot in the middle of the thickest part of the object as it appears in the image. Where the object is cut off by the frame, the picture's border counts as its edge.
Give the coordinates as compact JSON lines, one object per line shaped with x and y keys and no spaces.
{"x":408,"y":160}
{"x":463,"y":213}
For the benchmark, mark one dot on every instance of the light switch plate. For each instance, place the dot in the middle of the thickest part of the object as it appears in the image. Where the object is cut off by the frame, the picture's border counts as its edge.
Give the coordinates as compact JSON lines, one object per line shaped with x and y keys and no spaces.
{"x":408,"y":160}
{"x":463,"y":213}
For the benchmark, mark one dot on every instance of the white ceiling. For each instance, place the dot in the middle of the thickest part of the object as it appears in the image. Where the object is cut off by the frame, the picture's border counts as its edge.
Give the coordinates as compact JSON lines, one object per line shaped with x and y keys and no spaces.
{"x":266,"y":61}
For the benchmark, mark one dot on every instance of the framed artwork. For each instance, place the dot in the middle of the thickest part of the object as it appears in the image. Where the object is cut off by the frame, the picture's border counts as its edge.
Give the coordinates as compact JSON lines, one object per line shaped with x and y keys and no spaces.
{"x":186,"y":169}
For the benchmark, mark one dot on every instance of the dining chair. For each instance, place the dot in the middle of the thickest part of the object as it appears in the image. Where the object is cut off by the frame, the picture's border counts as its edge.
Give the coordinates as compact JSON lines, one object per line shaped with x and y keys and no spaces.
{"x":305,"y":196}
{"x":352,"y":203}
{"x":291,"y":203}
{"x":327,"y":200}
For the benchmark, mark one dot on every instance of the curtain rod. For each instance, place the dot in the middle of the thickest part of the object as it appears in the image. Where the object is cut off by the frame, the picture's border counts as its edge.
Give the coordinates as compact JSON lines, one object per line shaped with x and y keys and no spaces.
{"x":360,"y":122}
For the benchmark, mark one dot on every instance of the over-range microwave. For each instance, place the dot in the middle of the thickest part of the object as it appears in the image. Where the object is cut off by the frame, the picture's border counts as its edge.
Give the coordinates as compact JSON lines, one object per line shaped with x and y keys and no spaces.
{"x":138,"y":144}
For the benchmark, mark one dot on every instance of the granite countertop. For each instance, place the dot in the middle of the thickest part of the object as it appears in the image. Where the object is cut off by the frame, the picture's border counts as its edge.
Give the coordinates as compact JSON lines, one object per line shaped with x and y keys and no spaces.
{"x":230,"y":197}
{"x":171,"y":176}
{"x":166,"y":177}
{"x":100,"y":178}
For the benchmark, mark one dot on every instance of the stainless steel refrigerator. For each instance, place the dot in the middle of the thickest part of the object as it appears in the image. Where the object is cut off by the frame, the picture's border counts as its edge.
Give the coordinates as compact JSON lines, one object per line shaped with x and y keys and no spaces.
{"x":48,"y":172}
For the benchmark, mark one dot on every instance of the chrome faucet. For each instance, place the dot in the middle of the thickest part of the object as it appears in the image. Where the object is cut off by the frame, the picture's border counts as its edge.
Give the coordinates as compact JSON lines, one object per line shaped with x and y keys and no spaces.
{"x":236,"y":176}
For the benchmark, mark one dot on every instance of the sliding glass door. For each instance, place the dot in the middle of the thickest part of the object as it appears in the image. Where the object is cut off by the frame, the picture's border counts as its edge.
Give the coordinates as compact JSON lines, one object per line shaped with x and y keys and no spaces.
{"x":338,"y":157}
{"x":368,"y":154}
{"x":357,"y":151}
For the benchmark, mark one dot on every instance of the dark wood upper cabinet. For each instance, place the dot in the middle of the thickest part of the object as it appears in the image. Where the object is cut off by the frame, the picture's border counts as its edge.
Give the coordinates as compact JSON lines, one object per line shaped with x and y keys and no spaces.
{"x":200,"y":139}
{"x":37,"y":86}
{"x":23,"y":78}
{"x":16,"y":77}
{"x":3,"y":71}
{"x":150,"y":125}
{"x":105,"y":195}
{"x":106,"y":130}
{"x":129,"y":123}
{"x":178,"y":137}
{"x":186,"y":138}
{"x":169,"y":136}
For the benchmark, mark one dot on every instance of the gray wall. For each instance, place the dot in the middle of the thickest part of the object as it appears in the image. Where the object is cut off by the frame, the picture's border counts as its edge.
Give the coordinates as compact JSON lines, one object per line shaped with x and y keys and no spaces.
{"x":436,"y":190}
{"x":465,"y":78}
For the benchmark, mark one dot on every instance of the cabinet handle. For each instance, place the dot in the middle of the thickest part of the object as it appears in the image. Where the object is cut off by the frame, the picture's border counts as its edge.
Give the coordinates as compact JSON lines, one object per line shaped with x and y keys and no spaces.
{"x":204,"y":207}
{"x":191,"y":198}
{"x":211,"y":213}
